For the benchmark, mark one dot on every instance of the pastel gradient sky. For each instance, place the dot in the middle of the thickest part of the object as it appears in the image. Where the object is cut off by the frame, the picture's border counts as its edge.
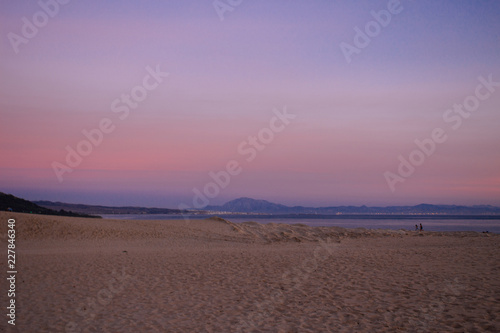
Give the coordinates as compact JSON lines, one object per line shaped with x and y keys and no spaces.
{"x":225,"y":79}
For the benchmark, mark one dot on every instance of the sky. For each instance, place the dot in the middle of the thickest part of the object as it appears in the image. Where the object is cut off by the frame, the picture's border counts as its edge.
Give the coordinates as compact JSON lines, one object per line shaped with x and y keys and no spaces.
{"x":186,"y":103}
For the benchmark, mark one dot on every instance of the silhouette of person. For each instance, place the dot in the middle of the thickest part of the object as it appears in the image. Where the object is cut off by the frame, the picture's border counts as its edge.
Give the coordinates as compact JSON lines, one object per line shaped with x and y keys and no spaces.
{"x":421,"y":228}
{"x":416,"y":227}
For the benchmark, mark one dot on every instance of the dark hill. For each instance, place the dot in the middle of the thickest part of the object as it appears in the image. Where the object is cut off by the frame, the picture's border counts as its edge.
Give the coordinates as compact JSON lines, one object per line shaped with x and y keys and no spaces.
{"x":18,"y":205}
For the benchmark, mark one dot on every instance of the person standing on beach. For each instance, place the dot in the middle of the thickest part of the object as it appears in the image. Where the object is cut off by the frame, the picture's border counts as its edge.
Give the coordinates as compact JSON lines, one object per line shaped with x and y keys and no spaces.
{"x":421,"y":228}
{"x":416,"y":227}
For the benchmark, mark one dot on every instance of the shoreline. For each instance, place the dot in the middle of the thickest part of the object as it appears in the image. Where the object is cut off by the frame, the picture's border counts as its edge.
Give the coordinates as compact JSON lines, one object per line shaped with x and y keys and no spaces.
{"x":60,"y":226}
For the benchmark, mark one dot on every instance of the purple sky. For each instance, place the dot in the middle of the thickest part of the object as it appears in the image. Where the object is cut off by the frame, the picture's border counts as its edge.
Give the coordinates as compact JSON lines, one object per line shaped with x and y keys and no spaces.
{"x":226,"y":81}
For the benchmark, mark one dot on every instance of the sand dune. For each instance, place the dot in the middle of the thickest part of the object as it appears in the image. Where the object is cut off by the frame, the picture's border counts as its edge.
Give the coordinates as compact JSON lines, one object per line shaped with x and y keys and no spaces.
{"x":86,"y":275}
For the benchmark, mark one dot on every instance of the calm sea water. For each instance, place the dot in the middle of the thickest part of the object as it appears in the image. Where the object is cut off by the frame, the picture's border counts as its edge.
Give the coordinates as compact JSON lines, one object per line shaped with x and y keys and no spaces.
{"x":395,"y":224}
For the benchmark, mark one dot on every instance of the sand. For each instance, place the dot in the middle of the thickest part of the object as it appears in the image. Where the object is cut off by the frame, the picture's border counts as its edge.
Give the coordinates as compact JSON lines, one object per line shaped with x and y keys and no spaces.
{"x":86,"y":275}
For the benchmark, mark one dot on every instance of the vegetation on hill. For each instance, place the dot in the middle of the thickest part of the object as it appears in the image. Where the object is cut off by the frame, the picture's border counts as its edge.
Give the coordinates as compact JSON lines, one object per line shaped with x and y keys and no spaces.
{"x":8,"y":202}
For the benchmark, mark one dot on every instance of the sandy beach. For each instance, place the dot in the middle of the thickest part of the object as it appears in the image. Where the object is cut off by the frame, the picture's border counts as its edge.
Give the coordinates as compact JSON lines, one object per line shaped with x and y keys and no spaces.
{"x":89,"y":275}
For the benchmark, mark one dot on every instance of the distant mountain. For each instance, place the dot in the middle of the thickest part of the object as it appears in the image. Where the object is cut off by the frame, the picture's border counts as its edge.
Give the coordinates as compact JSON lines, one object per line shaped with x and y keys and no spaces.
{"x":8,"y":202}
{"x":248,"y":205}
{"x":92,"y":209}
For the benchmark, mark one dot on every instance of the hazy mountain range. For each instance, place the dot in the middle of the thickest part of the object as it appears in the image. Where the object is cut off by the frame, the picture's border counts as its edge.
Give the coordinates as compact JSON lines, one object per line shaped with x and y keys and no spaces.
{"x":248,"y":205}
{"x":94,"y":209}
{"x":242,"y":205}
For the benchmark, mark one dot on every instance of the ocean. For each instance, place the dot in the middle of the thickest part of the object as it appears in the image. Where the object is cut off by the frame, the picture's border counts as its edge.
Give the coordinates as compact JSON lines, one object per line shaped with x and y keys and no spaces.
{"x":434,"y":224}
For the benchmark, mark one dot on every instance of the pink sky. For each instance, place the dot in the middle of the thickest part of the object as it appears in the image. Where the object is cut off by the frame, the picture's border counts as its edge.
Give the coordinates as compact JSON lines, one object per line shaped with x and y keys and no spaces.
{"x":226,"y":78}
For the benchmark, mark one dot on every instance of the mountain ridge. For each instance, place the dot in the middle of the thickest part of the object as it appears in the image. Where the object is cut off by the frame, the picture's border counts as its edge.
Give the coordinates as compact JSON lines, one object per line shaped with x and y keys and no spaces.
{"x":249,"y":205}
{"x":98,"y":209}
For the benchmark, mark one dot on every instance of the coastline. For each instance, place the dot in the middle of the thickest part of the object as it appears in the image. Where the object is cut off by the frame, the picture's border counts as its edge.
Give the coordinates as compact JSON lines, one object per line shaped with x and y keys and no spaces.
{"x":435,"y":224}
